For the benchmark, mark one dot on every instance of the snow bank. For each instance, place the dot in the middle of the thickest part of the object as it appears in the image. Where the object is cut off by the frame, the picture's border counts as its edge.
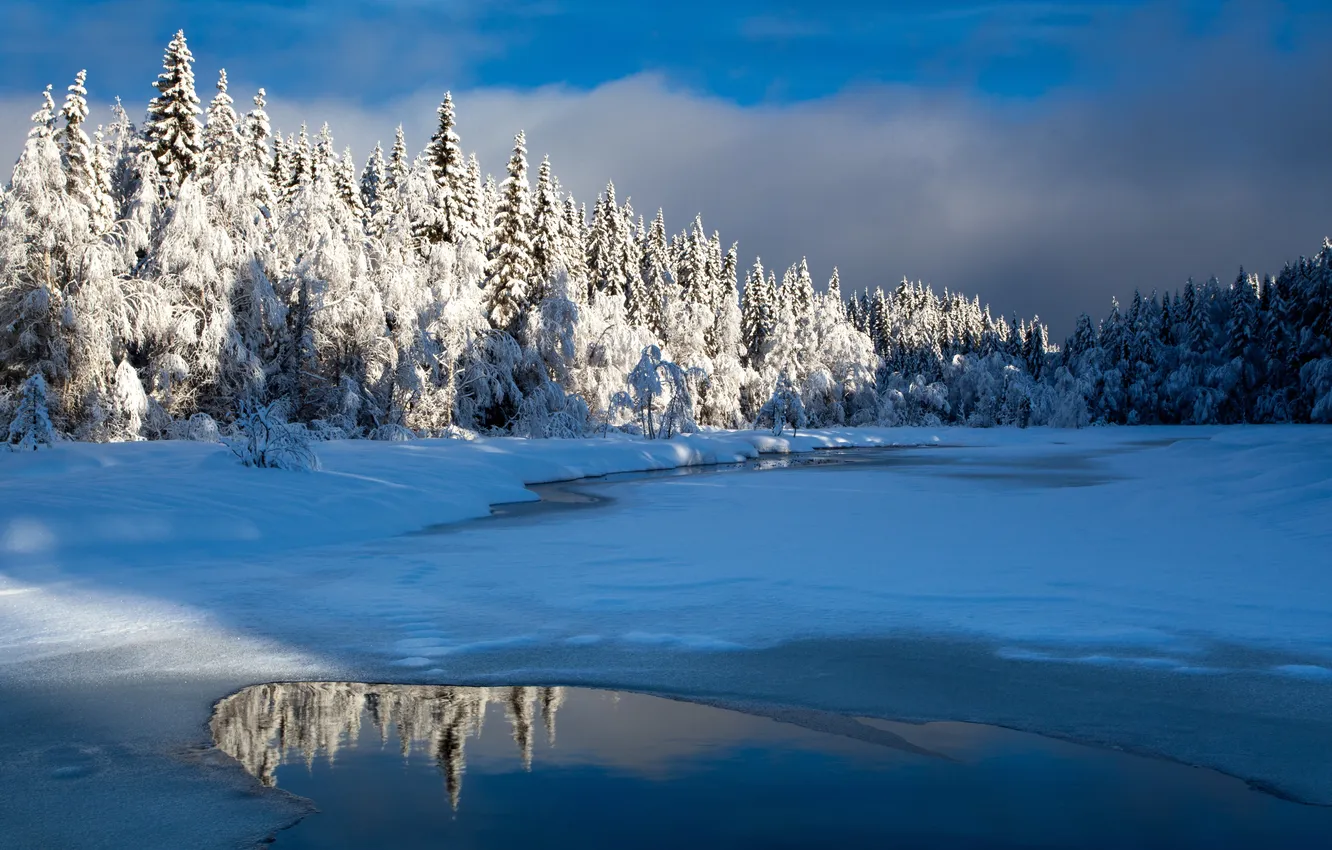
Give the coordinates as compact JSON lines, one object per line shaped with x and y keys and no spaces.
{"x":143,"y":500}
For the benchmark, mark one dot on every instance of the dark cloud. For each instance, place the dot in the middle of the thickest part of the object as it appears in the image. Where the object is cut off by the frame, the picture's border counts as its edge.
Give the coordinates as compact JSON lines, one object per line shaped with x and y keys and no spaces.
{"x":1177,"y":158}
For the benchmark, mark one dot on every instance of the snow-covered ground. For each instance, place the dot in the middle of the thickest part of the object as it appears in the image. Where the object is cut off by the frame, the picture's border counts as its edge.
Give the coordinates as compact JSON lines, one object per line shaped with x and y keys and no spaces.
{"x":1162,"y":588}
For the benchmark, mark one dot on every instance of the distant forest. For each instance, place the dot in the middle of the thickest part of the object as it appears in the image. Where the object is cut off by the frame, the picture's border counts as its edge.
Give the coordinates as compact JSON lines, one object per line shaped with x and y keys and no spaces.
{"x":166,"y":279}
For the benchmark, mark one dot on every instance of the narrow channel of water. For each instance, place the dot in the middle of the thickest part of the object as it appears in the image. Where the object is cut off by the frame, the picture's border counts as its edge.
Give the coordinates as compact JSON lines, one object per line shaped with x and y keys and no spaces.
{"x":430,"y":766}
{"x":1080,"y":470}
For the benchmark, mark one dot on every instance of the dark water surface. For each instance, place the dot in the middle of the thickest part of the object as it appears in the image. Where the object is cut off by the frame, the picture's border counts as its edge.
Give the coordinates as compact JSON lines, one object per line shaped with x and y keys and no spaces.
{"x":413,"y":766}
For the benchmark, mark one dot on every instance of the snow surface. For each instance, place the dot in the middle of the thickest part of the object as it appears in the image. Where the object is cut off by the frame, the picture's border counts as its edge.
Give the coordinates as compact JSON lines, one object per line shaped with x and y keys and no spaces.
{"x":1186,"y":566}
{"x":1146,"y":543}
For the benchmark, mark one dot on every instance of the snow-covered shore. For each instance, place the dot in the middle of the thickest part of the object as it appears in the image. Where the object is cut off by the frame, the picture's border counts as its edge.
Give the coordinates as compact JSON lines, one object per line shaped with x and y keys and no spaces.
{"x":155,"y":499}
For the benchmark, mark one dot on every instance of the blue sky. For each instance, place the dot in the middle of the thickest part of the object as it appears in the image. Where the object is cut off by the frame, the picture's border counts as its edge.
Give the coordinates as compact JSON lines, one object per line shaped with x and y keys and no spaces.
{"x":745,"y":51}
{"x":1045,"y":155}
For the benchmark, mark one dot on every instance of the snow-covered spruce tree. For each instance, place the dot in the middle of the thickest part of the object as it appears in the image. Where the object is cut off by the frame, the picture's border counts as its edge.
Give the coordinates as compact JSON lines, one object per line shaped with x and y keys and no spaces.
{"x":606,"y":247}
{"x":257,"y":130}
{"x":1241,"y":371}
{"x":719,"y":395}
{"x":573,"y":238}
{"x":451,"y":220}
{"x":279,"y":168}
{"x":478,"y":203}
{"x":87,"y":175}
{"x":344,"y":183}
{"x":546,"y":228}
{"x":103,"y":207}
{"x":94,"y":318}
{"x":372,"y":184}
{"x":301,"y":164}
{"x":648,"y":298}
{"x":31,"y":426}
{"x":222,"y":142}
{"x":755,"y":317}
{"x":324,"y":161}
{"x":509,"y":272}
{"x":174,"y":137}
{"x":487,"y":204}
{"x":783,"y":408}
{"x":629,"y":251}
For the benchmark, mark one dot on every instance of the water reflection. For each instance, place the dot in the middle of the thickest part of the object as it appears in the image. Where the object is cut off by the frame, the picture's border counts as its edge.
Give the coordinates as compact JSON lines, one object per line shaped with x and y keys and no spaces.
{"x":647,"y":772}
{"x":266,"y":726}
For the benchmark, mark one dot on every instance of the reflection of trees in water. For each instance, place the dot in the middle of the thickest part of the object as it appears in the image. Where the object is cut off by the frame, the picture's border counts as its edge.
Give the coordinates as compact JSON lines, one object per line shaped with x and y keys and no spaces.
{"x":265,"y":726}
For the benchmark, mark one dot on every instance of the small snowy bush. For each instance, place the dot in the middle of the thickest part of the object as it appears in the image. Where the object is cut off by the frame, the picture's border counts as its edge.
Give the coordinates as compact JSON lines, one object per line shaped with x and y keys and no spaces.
{"x":31,"y":429}
{"x":199,"y":428}
{"x":548,"y":411}
{"x":391,"y":432}
{"x":322,"y":430}
{"x":456,"y":432}
{"x":265,"y":439}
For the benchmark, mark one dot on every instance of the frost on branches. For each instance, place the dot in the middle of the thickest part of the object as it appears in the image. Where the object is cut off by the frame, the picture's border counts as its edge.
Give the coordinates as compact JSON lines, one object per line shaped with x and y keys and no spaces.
{"x":658,"y":396}
{"x":266,"y":440}
{"x":783,"y":409}
{"x":202,"y":267}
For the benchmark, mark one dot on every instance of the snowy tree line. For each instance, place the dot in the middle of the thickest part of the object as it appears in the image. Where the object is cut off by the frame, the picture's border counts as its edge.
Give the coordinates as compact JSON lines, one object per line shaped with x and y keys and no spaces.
{"x":174,"y":278}
{"x":266,"y":726}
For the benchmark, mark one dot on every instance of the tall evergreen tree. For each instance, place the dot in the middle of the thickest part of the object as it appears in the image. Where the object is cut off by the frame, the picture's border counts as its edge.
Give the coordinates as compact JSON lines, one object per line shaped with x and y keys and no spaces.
{"x":450,"y":171}
{"x":546,"y":229}
{"x":258,"y":129}
{"x":573,"y":236}
{"x":755,"y":316}
{"x":75,"y":144}
{"x":834,"y":293}
{"x":175,"y":138}
{"x":87,"y":174}
{"x":647,"y":306}
{"x":372,"y":185}
{"x":475,"y":204}
{"x":604,"y":251}
{"x":221,"y":136}
{"x":509,"y":271}
{"x":344,"y":180}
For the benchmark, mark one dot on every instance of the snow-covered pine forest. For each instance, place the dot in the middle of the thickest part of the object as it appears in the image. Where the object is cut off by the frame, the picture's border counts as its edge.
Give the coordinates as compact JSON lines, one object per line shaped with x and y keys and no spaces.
{"x":168,"y":278}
